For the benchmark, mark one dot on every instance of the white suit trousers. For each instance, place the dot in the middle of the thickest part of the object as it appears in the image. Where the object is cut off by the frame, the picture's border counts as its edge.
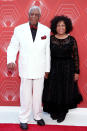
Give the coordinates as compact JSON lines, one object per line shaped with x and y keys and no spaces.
{"x":30,"y":99}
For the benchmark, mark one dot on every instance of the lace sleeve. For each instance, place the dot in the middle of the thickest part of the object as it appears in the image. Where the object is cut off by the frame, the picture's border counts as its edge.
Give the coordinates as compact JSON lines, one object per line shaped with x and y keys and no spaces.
{"x":76,"y":57}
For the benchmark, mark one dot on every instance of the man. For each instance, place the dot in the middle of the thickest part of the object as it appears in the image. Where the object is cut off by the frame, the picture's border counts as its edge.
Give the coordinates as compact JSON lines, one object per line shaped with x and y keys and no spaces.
{"x":32,"y":40}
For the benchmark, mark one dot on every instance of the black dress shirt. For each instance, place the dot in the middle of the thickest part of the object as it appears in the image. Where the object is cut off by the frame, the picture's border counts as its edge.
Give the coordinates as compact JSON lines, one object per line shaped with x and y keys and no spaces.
{"x":33,"y":31}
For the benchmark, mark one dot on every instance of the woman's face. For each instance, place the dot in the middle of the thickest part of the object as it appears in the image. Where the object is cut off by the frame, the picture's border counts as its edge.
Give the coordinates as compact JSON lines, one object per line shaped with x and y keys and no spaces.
{"x":61,"y":28}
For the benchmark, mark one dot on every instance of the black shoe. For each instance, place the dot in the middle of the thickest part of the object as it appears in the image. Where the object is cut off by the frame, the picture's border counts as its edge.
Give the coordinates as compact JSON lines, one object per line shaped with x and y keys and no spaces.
{"x":54,"y":116}
{"x":61,"y":118}
{"x":40,"y":122}
{"x":24,"y":126}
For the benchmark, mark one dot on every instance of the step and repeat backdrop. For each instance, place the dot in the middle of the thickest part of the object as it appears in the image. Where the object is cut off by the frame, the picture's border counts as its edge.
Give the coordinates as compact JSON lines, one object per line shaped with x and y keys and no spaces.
{"x":15,"y":12}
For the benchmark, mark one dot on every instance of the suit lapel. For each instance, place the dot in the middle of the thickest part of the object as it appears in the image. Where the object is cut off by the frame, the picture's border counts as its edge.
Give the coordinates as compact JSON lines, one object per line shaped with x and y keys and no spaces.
{"x":37,"y":33}
{"x":29,"y":34}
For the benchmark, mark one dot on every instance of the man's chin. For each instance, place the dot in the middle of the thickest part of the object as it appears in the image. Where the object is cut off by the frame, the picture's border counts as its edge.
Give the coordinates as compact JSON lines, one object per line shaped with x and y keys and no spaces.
{"x":34,"y":23}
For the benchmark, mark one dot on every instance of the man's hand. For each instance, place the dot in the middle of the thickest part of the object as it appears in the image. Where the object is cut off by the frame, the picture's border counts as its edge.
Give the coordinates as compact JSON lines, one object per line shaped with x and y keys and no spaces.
{"x":11,"y":67}
{"x":76,"y":77}
{"x":46,"y":75}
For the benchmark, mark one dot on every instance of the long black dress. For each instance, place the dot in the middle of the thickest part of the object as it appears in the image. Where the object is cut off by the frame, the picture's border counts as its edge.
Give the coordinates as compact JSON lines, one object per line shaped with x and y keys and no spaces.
{"x":60,"y":90}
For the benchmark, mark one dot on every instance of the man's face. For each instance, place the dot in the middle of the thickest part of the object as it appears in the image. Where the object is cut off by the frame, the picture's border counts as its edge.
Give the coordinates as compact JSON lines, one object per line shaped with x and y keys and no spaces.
{"x":34,"y":16}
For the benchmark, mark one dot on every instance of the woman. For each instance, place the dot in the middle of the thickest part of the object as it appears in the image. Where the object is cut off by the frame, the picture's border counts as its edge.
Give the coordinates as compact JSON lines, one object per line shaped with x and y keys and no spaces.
{"x":60,"y":89}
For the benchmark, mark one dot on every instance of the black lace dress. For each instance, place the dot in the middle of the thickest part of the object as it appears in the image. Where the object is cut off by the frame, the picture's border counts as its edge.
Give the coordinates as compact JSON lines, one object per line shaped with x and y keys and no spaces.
{"x":60,"y":90}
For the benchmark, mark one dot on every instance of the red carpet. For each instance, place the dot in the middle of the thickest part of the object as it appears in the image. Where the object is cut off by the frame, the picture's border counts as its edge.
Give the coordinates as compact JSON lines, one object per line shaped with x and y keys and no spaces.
{"x":33,"y":127}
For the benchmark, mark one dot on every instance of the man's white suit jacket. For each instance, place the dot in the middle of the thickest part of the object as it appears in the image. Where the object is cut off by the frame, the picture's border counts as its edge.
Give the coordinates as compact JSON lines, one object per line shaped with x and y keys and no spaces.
{"x":34,"y":57}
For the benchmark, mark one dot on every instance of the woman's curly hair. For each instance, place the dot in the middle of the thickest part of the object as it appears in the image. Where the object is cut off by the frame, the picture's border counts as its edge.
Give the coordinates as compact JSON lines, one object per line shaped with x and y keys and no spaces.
{"x":57,"y":19}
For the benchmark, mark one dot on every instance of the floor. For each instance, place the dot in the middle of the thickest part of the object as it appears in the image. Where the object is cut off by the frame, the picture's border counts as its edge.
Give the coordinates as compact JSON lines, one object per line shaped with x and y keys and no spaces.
{"x":75,"y":117}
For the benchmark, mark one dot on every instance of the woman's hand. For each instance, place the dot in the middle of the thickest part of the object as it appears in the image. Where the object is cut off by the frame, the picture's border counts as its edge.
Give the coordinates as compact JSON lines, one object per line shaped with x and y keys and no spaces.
{"x":76,"y":77}
{"x":46,"y":75}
